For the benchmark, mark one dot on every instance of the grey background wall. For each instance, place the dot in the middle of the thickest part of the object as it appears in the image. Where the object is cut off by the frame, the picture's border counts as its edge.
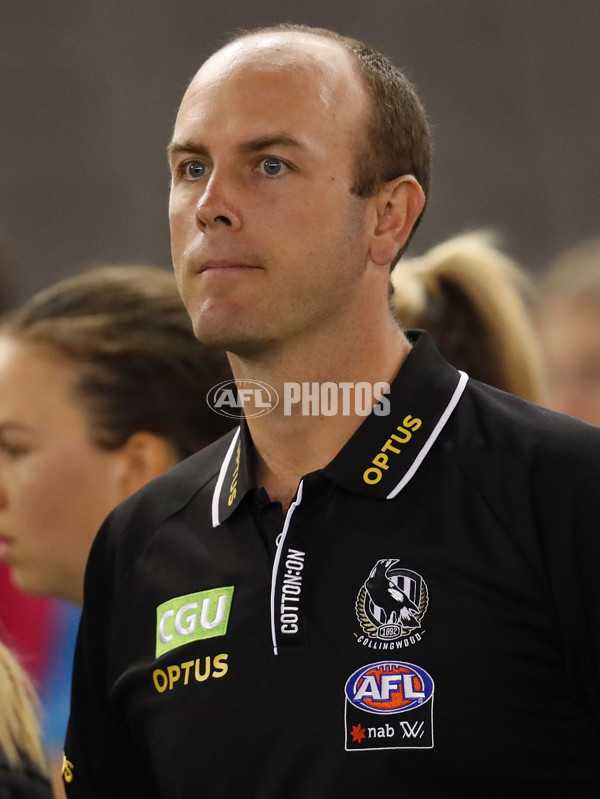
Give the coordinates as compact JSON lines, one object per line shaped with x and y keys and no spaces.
{"x":89,"y":90}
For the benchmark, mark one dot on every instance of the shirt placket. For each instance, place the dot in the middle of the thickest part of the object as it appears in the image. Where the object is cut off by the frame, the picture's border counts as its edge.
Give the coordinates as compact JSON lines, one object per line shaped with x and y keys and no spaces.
{"x":289,"y":601}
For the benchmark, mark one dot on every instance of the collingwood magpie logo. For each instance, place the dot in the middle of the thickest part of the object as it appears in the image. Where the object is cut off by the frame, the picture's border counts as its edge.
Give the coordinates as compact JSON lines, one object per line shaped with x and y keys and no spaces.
{"x":390,"y":606}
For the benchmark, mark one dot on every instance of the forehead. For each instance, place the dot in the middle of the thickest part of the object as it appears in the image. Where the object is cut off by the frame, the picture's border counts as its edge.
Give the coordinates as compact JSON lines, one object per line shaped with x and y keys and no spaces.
{"x":266,"y":76}
{"x":26,"y":367}
{"x":280,"y":50}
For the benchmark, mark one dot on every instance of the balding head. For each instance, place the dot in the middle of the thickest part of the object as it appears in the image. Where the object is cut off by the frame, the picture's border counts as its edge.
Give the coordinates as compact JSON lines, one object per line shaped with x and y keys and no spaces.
{"x":396,"y":138}
{"x":312,"y":61}
{"x":281,"y":49}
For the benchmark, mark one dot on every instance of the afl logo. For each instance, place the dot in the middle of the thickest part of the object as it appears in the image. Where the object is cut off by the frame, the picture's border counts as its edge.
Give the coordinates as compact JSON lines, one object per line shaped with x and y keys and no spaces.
{"x":389,"y":687}
{"x":392,"y":601}
{"x":238,"y":398}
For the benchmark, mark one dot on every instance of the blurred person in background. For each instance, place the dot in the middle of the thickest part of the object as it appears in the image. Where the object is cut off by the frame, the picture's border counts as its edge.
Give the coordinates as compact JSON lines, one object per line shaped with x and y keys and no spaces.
{"x":569,"y":329}
{"x":23,"y":767}
{"x":475,"y":301}
{"x":102,"y":387}
{"x":23,"y":618}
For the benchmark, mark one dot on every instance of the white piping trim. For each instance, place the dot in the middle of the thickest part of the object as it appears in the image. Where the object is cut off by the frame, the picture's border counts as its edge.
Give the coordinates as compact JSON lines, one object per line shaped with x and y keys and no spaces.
{"x":462,"y":383}
{"x":282,"y":537}
{"x":224,"y":466}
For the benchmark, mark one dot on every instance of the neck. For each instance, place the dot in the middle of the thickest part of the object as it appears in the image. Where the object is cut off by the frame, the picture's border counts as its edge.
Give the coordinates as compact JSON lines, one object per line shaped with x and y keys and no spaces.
{"x":320,"y":406}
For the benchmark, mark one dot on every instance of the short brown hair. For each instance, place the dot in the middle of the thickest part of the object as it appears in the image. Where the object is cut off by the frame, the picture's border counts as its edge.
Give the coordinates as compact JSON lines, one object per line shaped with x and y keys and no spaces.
{"x":398,"y":134}
{"x":140,"y":367}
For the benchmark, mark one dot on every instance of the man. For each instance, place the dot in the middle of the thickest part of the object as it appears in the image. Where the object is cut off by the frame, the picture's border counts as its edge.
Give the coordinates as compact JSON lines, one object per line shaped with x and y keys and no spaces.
{"x":320,"y":604}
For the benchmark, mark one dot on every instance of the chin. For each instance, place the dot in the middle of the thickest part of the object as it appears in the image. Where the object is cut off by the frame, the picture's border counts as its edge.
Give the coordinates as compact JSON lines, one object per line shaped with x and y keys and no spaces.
{"x":242,"y":345}
{"x":226,"y":331}
{"x":28,"y":582}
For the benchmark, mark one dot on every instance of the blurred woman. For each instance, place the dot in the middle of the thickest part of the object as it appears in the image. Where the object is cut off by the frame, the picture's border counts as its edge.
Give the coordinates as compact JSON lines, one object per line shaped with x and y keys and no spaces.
{"x":102,"y":388}
{"x":23,"y":768}
{"x":569,"y":327}
{"x":473,"y":300}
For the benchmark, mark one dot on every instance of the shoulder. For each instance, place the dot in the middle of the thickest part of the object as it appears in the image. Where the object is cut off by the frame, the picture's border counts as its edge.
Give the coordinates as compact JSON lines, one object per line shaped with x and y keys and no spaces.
{"x":494,"y":420}
{"x":131,"y":525}
{"x":515,"y":451}
{"x":536,"y":471}
{"x":169,"y":492}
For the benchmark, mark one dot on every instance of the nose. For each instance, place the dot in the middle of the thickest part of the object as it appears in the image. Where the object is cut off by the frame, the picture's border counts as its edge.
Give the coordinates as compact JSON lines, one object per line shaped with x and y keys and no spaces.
{"x":215,"y":206}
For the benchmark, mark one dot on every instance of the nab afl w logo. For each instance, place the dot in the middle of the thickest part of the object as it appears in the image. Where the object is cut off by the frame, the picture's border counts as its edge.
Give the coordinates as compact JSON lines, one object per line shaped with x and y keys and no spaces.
{"x":390,"y":606}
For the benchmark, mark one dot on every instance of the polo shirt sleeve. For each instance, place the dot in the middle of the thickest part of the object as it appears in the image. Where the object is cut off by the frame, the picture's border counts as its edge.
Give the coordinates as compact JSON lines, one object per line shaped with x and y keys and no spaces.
{"x":566,"y":488}
{"x":101,"y":757}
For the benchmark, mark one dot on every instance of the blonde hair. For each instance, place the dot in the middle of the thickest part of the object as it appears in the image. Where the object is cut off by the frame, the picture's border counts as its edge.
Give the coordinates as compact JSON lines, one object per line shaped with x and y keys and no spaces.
{"x":470,"y":297}
{"x":19,"y":727}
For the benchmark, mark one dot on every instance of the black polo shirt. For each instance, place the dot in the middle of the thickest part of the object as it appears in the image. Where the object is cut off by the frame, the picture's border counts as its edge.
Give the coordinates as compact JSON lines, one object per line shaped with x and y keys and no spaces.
{"x":422,"y":622}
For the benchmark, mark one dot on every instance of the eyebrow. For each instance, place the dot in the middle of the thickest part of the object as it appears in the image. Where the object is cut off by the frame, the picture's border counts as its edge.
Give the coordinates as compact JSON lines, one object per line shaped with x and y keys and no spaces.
{"x":185,"y":147}
{"x":264,"y":142}
{"x":252,"y":146}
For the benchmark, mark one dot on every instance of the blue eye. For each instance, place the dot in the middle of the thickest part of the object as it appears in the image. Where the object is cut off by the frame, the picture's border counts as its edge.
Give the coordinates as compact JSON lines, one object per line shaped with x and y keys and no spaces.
{"x":194,"y":169}
{"x":273,"y":166}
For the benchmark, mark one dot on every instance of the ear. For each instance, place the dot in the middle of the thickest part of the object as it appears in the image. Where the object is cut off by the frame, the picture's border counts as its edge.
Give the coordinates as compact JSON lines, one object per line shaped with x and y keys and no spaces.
{"x":144,"y":456}
{"x":398,"y":206}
